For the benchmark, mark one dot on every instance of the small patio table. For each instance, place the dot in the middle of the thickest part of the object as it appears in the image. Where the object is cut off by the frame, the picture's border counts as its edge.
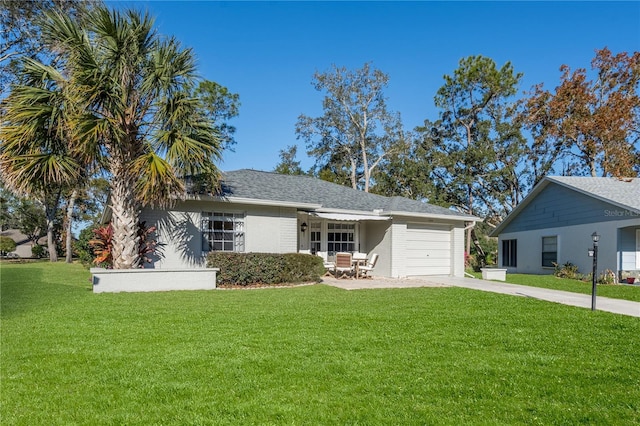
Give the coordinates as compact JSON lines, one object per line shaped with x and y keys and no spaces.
{"x":358,"y":260}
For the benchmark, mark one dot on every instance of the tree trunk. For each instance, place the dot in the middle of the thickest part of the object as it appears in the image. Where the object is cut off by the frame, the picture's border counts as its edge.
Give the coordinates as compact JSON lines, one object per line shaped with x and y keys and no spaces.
{"x":51,"y":243}
{"x":481,"y":256}
{"x":124,"y":220}
{"x":51,"y":202}
{"x":470,"y":211}
{"x":72,"y":201}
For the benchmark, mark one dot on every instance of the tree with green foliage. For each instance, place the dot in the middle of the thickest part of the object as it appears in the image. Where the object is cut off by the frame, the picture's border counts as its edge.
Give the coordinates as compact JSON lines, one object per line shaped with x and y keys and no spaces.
{"x":406,"y":173}
{"x":29,"y":218}
{"x":132,"y":114}
{"x":288,"y":164}
{"x":220,"y":106}
{"x":477,"y":150}
{"x":7,"y":245}
{"x":356,"y":131}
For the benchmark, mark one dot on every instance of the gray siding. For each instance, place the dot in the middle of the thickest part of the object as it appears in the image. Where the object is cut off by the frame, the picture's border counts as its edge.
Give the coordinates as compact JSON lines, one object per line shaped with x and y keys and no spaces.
{"x":557,"y":206}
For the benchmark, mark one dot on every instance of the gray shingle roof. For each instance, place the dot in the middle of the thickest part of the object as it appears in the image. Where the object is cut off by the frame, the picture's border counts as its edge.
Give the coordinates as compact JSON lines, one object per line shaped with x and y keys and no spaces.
{"x":269,"y":186}
{"x":624,"y":192}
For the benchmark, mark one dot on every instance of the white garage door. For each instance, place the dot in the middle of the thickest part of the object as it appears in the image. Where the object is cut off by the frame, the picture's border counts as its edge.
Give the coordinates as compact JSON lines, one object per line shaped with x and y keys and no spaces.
{"x":428,"y":249}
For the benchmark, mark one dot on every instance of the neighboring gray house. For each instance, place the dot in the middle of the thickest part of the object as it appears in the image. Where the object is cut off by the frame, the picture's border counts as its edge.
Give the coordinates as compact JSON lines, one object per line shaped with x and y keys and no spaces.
{"x":554,"y":224}
{"x":268,"y":212}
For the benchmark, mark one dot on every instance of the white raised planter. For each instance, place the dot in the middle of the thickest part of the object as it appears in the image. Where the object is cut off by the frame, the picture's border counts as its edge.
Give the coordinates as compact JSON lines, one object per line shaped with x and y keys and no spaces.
{"x":140,"y":280}
{"x":494,"y":274}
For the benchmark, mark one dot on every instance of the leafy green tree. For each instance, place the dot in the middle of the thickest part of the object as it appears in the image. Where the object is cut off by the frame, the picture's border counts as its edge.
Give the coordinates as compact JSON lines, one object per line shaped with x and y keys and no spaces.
{"x":588,"y":126}
{"x":29,"y":218}
{"x":7,"y":245}
{"x":220,"y":105}
{"x":408,"y":173}
{"x":132,"y":113}
{"x":478,"y":152}
{"x":356,"y":131}
{"x":288,"y":164}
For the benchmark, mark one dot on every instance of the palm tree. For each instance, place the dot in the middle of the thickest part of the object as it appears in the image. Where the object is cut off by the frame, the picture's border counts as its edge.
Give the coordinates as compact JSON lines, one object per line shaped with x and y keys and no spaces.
{"x":132,"y":114}
{"x":35,"y":158}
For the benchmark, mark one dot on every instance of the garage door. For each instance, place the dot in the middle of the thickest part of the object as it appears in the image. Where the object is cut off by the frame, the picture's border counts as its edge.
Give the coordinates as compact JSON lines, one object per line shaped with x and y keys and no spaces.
{"x":428,"y":249}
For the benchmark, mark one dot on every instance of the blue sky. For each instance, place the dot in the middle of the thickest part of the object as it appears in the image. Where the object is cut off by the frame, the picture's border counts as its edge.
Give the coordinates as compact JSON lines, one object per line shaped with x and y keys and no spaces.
{"x":267,"y":52}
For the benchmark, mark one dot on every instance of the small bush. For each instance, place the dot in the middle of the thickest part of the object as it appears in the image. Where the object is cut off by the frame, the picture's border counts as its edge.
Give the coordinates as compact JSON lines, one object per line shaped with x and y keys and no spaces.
{"x":608,"y":277}
{"x":246,"y":269}
{"x":7,"y":245}
{"x":37,"y":251}
{"x":568,"y":270}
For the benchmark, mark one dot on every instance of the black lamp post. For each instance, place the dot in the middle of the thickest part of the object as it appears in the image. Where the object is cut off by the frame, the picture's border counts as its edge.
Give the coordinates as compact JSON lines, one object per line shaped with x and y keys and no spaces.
{"x":595,"y":237}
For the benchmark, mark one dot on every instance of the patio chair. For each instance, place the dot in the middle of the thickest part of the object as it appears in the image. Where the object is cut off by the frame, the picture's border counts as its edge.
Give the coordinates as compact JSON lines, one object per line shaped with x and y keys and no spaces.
{"x":365,"y":269}
{"x":329,"y":269}
{"x":344,"y":265}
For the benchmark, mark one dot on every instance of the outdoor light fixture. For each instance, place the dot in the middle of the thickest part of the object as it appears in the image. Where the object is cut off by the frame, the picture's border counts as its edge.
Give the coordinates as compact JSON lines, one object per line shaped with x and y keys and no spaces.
{"x":595,"y":237}
{"x":303,"y":227}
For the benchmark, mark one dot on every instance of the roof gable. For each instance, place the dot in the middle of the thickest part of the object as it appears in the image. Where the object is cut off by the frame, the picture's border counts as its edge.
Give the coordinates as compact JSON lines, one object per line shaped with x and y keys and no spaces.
{"x":568,"y":200}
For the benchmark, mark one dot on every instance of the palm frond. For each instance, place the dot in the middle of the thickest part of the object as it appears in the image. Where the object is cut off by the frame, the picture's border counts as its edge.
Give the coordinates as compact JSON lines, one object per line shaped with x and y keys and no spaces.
{"x":157,"y":183}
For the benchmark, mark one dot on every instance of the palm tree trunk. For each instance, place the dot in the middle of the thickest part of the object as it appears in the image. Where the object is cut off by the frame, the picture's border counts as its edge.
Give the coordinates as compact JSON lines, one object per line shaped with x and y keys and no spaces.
{"x":124,"y":220}
{"x":72,"y":201}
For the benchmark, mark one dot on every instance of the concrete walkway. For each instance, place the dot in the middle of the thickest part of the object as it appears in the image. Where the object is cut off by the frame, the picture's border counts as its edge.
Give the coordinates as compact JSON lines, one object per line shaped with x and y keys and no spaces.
{"x":616,"y":306}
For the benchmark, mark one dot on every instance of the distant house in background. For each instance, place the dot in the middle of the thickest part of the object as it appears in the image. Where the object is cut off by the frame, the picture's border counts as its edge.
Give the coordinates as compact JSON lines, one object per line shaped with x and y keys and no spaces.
{"x":554,"y":223}
{"x":268,"y":212}
{"x":23,"y":244}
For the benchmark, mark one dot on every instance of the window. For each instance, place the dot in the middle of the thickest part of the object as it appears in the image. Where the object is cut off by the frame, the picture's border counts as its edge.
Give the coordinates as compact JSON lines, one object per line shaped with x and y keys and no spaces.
{"x":316,"y":237}
{"x":549,"y":251}
{"x":509,"y":252}
{"x":222,"y":231}
{"x":340,"y":237}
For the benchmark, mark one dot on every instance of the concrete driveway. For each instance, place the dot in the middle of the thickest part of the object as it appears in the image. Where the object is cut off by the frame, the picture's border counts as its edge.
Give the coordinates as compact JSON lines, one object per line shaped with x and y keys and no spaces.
{"x":616,"y":306}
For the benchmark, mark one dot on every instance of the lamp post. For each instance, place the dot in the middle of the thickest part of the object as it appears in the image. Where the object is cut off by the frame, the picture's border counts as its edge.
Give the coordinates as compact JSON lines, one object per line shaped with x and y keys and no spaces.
{"x":595,"y":237}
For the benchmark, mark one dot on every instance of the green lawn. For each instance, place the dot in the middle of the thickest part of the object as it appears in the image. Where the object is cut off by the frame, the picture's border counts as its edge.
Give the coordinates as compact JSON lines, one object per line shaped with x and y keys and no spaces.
{"x":615,"y":291}
{"x":306,"y":355}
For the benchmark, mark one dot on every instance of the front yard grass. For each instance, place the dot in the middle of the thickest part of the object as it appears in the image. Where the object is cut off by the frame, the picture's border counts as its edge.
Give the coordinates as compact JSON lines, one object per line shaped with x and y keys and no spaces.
{"x":306,"y":355}
{"x":614,"y":291}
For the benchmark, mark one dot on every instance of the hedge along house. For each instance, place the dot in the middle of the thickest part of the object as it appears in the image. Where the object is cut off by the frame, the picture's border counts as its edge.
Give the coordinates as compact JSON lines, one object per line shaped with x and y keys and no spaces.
{"x":268,"y":212}
{"x":554,"y":224}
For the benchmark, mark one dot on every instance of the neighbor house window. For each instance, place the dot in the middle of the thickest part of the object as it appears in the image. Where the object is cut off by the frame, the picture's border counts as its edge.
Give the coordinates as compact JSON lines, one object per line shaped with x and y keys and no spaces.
{"x":509,"y":252}
{"x":316,"y":237}
{"x":223,"y":231}
{"x":340,"y":237}
{"x":549,"y":251}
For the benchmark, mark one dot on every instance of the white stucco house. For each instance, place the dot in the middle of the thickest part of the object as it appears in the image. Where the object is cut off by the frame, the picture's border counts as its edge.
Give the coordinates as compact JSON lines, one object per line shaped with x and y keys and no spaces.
{"x":260,"y":211}
{"x":554,"y":224}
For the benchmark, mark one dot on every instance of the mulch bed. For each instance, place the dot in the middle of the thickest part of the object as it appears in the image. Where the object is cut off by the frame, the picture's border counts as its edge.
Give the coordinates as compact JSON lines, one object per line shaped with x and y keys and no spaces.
{"x":257,"y":286}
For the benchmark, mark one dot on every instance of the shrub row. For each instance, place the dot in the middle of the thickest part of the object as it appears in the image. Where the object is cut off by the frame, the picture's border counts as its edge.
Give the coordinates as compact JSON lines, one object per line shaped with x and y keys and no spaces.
{"x":265,"y":268}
